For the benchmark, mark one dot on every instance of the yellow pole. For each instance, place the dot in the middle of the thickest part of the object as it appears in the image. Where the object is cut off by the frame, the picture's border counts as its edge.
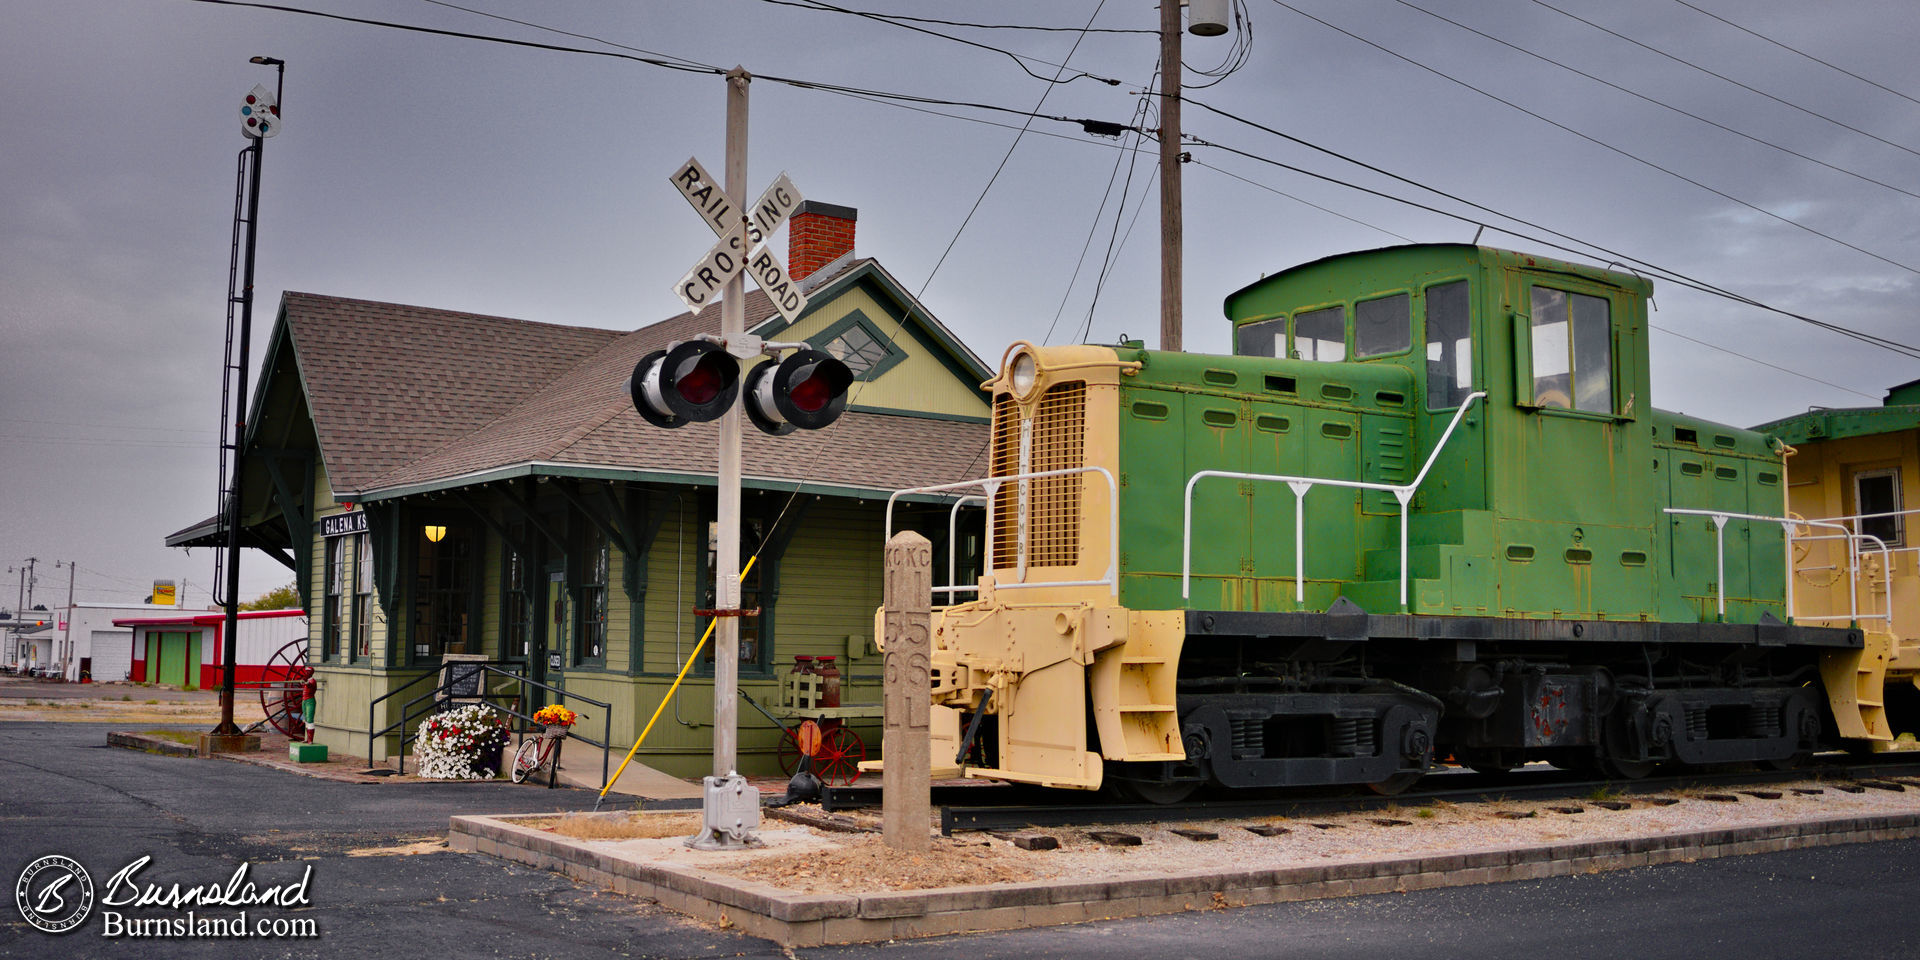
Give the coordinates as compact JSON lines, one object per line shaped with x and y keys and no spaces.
{"x":669,"y":697}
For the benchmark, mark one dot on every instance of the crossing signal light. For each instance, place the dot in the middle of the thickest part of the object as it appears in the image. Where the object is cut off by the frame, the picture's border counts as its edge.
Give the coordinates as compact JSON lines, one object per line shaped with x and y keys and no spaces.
{"x":805,"y":390}
{"x":690,"y":382}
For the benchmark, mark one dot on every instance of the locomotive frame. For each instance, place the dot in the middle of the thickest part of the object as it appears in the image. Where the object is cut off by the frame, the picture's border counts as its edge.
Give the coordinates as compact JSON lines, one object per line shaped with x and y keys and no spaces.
{"x":1554,"y":584}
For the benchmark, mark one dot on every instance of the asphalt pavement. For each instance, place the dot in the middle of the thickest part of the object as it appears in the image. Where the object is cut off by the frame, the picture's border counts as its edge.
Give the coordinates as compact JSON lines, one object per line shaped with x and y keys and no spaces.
{"x":63,"y":792}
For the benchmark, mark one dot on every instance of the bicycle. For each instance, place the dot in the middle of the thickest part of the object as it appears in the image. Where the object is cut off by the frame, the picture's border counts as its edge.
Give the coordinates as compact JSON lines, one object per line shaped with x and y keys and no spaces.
{"x":541,"y":751}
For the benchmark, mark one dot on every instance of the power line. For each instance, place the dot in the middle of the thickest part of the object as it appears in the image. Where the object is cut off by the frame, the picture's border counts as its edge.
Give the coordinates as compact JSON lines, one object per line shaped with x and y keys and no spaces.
{"x":1719,"y":76}
{"x":1736,"y":353}
{"x":685,"y":65}
{"x":1657,"y":102}
{"x":1236,"y":56}
{"x":962,"y":23}
{"x":657,"y":60}
{"x":1304,"y":202}
{"x":1586,"y":248}
{"x":1018,"y":59}
{"x":1601,"y":143}
{"x":1119,"y":155}
{"x":564,"y":33}
{"x":1797,"y":50}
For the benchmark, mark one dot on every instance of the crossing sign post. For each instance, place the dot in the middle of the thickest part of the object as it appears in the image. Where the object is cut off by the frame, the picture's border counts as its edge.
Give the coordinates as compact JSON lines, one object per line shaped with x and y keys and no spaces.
{"x":743,"y":237}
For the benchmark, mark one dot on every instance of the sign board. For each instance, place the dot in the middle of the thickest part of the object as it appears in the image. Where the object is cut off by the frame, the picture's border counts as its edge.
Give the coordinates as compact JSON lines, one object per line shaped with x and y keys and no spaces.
{"x":771,"y":275}
{"x":722,"y":263}
{"x":164,"y":593}
{"x":462,"y":674}
{"x":772,"y":209}
{"x":342,"y":524}
{"x":743,"y":238}
{"x":705,"y":194}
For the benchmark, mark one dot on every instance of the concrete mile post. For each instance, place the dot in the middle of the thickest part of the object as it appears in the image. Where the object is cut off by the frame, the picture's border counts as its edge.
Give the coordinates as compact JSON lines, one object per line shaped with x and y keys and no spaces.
{"x":906,"y":796}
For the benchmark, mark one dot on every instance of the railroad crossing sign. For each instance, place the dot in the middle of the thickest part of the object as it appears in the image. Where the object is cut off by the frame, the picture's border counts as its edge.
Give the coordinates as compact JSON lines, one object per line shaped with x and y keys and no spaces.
{"x":743,"y":240}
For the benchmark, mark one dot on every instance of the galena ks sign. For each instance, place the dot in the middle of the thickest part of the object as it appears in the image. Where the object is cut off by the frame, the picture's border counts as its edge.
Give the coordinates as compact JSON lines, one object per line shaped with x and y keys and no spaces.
{"x":743,"y":236}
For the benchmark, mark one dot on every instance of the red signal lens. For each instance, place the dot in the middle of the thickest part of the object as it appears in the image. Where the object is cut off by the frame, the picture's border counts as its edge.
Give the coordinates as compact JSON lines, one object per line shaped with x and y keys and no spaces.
{"x":812,"y":394}
{"x":700,"y":385}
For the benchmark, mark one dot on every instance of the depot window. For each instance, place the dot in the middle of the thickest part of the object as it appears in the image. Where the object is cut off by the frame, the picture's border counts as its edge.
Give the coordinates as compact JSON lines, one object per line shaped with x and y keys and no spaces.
{"x":1572,"y":351}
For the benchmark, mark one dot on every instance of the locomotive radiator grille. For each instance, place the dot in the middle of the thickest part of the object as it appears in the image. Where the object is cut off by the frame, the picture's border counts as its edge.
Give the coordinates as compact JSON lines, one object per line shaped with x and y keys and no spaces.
{"x":1050,"y":517}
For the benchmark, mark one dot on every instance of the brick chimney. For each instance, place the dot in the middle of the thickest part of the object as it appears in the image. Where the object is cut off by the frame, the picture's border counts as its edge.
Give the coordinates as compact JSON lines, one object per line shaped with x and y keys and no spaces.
{"x":818,"y":234}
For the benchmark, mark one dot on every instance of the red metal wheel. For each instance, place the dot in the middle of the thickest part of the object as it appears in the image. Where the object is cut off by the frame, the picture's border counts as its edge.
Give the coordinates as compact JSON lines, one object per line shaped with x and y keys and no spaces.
{"x":280,"y":691}
{"x":838,"y":762}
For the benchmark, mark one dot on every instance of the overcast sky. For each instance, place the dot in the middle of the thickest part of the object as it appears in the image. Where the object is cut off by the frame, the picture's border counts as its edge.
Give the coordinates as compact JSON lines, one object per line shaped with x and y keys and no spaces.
{"x":528,"y":183}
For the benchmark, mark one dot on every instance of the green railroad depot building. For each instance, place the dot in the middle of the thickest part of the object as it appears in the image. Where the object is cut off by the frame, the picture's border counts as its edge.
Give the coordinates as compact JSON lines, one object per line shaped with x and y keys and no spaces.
{"x":445,"y":484}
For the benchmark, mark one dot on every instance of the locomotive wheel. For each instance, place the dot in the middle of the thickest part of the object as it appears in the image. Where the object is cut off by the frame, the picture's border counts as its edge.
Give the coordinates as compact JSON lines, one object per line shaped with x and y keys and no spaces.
{"x":1397,"y":784}
{"x":1158,"y":794}
{"x":1617,"y":769}
{"x":281,"y":705}
{"x":1487,"y":762}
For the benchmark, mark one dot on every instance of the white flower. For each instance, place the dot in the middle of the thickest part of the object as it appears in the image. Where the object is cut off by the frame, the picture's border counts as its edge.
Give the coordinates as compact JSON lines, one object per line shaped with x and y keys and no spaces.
{"x":449,"y":742}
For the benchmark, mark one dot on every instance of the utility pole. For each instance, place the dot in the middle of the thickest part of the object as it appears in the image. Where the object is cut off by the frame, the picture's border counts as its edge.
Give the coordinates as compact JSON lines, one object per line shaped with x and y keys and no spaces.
{"x":733,"y":325}
{"x":1170,"y":216}
{"x":27,"y":580}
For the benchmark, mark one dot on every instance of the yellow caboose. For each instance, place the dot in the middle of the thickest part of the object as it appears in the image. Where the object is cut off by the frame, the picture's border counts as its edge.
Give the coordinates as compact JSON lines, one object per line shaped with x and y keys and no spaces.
{"x":1854,"y":475}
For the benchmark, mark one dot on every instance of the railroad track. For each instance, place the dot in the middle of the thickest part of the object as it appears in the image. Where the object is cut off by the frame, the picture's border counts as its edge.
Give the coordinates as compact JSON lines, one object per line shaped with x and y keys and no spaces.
{"x":999,"y":808}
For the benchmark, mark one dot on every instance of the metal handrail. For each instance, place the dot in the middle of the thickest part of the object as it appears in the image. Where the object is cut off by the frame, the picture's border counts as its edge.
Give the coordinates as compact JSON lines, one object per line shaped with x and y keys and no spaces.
{"x":1853,"y":573}
{"x":1720,"y":518}
{"x":1300,"y":485}
{"x":377,"y":701}
{"x":992,"y":487}
{"x":953,"y":538}
{"x":437,"y":695}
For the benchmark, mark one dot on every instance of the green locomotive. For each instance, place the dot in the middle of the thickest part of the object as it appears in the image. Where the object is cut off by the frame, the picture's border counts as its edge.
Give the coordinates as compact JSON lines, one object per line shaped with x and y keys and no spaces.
{"x":1427,"y":510}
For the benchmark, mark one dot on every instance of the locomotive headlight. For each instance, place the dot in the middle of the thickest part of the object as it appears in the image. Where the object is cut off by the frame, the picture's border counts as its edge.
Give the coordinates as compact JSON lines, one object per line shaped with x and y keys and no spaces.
{"x":1025,"y":371}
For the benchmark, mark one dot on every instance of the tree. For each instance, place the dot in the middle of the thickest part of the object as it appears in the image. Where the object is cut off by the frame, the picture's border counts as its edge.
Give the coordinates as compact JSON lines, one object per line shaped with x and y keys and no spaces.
{"x":279,"y":598}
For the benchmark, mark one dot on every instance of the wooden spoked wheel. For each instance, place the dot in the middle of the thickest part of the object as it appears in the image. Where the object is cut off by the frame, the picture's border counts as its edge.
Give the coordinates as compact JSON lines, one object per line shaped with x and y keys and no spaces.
{"x":280,"y":697}
{"x":837,"y":762}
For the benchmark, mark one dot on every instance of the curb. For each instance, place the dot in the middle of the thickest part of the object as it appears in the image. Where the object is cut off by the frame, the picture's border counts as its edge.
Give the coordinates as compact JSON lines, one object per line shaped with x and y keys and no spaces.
{"x":146,"y":744}
{"x":806,"y":920}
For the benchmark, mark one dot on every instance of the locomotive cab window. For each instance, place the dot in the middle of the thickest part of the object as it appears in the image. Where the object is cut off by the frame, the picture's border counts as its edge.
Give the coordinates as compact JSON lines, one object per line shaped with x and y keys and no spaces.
{"x":1449,"y":345}
{"x":1262,"y":338}
{"x":1382,"y":326}
{"x":1572,"y":341}
{"x":1321,"y":335}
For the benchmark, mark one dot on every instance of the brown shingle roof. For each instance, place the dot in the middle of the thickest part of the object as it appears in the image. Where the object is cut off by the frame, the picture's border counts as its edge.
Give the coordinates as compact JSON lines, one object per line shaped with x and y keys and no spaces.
{"x":407,"y":396}
{"x":387,"y":383}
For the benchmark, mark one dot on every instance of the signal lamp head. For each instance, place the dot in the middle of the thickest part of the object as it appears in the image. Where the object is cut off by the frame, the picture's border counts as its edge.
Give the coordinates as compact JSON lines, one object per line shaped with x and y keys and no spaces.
{"x":806,"y":390}
{"x":690,"y":382}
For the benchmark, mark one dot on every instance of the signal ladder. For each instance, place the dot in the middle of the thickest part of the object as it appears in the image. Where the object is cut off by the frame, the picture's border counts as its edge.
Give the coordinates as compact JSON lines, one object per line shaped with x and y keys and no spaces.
{"x":229,"y":370}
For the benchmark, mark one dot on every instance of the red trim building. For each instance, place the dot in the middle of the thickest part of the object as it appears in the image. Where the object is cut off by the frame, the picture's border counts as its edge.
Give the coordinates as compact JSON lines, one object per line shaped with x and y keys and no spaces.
{"x":188,"y":651}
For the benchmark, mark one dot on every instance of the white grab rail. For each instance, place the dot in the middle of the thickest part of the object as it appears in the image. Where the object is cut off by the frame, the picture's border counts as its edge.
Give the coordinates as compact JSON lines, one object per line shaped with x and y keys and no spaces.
{"x":1300,"y":485}
{"x":992,"y":486}
{"x":1853,"y":541}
